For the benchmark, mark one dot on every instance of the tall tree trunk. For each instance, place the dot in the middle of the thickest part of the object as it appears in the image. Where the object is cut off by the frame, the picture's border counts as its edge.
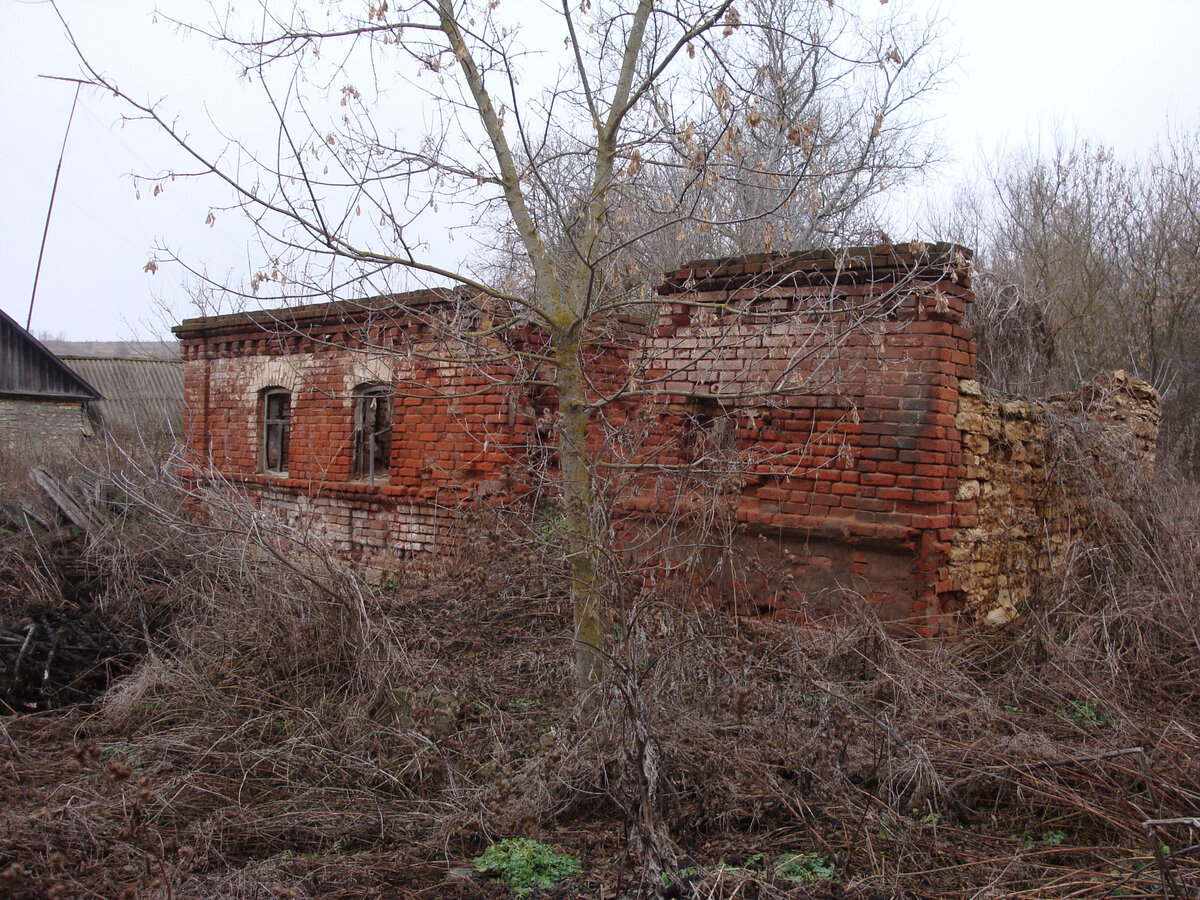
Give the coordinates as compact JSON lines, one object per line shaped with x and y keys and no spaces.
{"x":582,"y":545}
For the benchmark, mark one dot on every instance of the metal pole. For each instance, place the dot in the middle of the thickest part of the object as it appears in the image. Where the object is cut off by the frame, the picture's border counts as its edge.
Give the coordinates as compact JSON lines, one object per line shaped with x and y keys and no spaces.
{"x":54,"y":190}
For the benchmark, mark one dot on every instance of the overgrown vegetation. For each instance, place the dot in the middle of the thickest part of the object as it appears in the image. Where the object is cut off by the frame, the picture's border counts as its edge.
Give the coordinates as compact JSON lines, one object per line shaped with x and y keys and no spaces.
{"x":290,"y":731}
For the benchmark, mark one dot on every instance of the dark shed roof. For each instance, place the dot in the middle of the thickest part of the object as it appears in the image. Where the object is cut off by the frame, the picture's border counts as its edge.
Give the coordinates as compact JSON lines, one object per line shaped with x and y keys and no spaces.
{"x":141,"y":396}
{"x":28,"y":369}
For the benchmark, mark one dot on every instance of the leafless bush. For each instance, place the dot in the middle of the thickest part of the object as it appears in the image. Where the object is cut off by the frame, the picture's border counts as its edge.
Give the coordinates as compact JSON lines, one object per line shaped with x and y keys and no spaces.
{"x":1126,"y":614}
{"x":295,"y":730}
{"x":1014,"y":335}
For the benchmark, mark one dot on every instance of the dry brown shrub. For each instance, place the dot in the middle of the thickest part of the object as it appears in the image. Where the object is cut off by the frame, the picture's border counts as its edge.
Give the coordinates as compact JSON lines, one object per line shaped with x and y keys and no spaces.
{"x":296,"y":730}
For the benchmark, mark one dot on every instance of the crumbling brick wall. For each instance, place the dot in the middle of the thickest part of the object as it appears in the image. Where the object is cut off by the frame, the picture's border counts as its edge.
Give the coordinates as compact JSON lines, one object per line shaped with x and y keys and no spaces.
{"x":837,"y":376}
{"x":816,"y":409}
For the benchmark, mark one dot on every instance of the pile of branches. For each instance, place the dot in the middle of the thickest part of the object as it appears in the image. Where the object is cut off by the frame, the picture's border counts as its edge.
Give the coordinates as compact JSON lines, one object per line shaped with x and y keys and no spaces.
{"x":67,"y":627}
{"x":54,"y":659}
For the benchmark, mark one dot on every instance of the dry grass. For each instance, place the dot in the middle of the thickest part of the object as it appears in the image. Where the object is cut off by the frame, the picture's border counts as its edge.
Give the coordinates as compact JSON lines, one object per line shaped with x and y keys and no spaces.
{"x":288,"y":731}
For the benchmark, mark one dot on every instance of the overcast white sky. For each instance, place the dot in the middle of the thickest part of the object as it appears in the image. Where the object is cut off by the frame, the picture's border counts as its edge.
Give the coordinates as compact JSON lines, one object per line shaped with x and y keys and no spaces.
{"x":1113,"y":72}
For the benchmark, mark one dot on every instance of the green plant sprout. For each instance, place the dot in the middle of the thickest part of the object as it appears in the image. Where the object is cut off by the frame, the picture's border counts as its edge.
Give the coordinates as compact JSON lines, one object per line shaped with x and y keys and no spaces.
{"x":525,"y":864}
{"x":1087,"y":713}
{"x":805,"y":868}
{"x":930,"y":819}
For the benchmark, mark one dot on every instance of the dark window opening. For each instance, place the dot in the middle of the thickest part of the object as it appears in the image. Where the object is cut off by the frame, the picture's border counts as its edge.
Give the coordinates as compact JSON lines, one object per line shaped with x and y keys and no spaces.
{"x":277,"y":417}
{"x":709,"y":435}
{"x":373,"y":433}
{"x":543,"y":403}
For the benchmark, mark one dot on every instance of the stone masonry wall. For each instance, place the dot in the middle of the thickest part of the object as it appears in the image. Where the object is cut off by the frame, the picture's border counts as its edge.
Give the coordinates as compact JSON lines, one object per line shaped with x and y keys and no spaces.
{"x":1024,"y":501}
{"x":38,"y":424}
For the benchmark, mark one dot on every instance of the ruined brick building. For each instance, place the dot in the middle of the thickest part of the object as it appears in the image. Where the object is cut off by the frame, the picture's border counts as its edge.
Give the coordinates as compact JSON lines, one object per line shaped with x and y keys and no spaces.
{"x":821,"y":403}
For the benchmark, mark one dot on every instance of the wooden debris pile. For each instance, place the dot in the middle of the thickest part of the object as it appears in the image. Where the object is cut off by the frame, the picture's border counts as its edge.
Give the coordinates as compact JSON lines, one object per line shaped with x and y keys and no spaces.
{"x":61,"y":638}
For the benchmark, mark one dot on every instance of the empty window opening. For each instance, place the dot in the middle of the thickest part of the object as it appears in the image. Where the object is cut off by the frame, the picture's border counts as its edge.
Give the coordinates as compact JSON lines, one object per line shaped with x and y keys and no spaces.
{"x":373,"y":432}
{"x":709,"y":435}
{"x":277,"y":418}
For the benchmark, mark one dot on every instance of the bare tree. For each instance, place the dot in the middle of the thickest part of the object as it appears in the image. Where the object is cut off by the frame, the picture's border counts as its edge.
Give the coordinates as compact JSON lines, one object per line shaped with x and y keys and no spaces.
{"x":1095,"y":262}
{"x":638,"y":132}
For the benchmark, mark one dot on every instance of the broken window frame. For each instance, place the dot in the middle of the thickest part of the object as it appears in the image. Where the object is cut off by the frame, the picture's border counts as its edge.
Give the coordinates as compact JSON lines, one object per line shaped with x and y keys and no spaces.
{"x":276,"y":430}
{"x":373,"y":419}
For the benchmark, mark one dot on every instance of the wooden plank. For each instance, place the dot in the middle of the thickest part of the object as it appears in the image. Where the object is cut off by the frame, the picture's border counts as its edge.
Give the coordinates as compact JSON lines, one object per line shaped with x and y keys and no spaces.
{"x":76,"y":509}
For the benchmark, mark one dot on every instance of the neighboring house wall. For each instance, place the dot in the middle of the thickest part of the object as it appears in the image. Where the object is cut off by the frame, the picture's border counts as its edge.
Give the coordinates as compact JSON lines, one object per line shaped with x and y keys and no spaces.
{"x":35,"y":425}
{"x":44,"y":403}
{"x":826,"y":427}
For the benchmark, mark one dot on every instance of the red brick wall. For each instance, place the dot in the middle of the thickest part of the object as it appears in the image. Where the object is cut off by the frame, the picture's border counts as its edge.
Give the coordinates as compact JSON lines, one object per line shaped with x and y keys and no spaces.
{"x":454,"y":429}
{"x":851,"y":455}
{"x":836,"y":377}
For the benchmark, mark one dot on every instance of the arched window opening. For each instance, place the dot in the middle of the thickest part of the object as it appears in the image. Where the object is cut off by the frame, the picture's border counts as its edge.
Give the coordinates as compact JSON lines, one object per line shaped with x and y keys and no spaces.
{"x":276,"y":425}
{"x":373,"y":432}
